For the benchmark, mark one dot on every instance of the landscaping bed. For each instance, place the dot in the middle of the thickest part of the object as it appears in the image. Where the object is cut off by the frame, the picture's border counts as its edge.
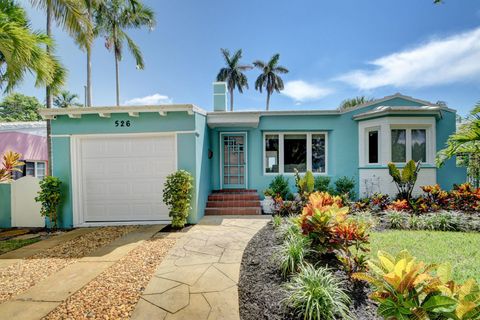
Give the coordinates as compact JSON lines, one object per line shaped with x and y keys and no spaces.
{"x":261,"y":286}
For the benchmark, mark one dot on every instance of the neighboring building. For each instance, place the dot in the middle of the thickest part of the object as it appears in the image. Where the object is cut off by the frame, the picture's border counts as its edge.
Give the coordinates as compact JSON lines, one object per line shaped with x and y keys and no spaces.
{"x":30,"y":140}
{"x":113,"y":161}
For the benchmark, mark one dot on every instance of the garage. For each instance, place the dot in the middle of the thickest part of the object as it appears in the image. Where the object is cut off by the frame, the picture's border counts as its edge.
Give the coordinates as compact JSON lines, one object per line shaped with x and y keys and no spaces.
{"x":120,"y":177}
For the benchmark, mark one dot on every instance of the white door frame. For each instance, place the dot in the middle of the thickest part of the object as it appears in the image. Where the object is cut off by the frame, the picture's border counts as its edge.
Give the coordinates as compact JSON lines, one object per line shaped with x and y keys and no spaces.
{"x":77,"y":186}
{"x":221,"y":155}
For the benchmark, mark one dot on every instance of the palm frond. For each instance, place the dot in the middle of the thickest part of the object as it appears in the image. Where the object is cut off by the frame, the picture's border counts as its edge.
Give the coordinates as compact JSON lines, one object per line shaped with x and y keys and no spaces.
{"x":135,"y":51}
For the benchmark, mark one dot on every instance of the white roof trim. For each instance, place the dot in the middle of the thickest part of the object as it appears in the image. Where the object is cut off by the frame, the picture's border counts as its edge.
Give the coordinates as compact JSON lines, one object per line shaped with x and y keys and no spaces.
{"x":225,"y":119}
{"x":131,"y":110}
{"x":22,"y":125}
{"x":397,"y":110}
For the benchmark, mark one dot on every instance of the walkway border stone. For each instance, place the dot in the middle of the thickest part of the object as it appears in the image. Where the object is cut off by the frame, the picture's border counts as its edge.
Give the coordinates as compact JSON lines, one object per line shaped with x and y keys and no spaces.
{"x":198,"y":279}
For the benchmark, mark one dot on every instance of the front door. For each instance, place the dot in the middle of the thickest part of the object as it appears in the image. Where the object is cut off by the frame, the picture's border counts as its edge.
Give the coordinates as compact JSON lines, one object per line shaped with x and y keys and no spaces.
{"x":234,"y":160}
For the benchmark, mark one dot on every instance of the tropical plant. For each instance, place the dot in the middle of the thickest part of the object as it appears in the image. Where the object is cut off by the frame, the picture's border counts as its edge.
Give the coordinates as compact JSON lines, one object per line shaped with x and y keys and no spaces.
{"x":279,"y":186}
{"x":22,"y":51}
{"x":291,"y":253}
{"x":269,"y":77}
{"x":289,"y":227}
{"x":406,"y":179}
{"x":233,"y":74}
{"x":464,"y":197}
{"x":50,"y":196}
{"x":317,"y":294}
{"x":377,"y":202}
{"x":177,"y":195}
{"x":11,"y":163}
{"x":305,"y":185}
{"x":396,"y":219}
{"x":353,"y":102}
{"x":65,"y":99}
{"x":445,"y":221}
{"x":322,"y":184}
{"x":288,"y":208}
{"x":112,"y":19}
{"x":407,"y":289}
{"x":19,"y":107}
{"x":345,"y":186}
{"x":415,"y":222}
{"x":277,"y":221}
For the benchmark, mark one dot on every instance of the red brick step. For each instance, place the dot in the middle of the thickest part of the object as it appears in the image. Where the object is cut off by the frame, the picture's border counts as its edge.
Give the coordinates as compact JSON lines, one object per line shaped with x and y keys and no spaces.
{"x":233,"y":202}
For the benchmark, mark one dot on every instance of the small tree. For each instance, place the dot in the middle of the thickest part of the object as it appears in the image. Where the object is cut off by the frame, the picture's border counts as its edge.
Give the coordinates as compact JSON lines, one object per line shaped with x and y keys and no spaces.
{"x":405,"y":180}
{"x":49,"y":196}
{"x":11,"y":163}
{"x":177,"y":195}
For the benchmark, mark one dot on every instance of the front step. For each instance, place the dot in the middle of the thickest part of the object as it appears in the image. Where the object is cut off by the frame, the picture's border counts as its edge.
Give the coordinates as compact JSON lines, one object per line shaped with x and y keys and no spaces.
{"x":233,"y":202}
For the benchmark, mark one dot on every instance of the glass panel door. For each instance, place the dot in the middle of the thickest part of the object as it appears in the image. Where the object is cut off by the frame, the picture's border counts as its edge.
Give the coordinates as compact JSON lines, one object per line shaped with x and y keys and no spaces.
{"x":234,"y":161}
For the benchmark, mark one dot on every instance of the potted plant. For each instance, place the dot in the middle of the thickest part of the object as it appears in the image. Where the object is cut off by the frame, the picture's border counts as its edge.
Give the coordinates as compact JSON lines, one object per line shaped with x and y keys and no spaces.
{"x":268,"y":204}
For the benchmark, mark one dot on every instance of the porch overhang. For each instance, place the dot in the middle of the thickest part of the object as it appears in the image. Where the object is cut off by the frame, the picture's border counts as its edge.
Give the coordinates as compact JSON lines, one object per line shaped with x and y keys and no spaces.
{"x":237,"y":120}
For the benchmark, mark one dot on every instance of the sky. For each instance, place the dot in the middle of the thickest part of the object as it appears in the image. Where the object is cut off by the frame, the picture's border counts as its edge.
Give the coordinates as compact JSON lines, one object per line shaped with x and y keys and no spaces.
{"x":333,"y":49}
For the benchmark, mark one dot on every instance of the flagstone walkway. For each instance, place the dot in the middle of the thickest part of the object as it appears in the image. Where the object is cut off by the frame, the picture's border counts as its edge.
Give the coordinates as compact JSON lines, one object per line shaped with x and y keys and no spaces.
{"x":198,"y":279}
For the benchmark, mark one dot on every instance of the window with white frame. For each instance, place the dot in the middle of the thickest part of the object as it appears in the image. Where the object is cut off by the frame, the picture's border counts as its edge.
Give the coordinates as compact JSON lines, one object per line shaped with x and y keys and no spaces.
{"x":33,"y":169}
{"x":285,"y":152}
{"x":373,"y":146}
{"x":409,"y":144}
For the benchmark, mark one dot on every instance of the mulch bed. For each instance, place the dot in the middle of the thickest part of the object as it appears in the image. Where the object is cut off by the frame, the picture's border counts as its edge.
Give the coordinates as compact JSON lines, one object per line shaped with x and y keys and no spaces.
{"x":260,"y":289}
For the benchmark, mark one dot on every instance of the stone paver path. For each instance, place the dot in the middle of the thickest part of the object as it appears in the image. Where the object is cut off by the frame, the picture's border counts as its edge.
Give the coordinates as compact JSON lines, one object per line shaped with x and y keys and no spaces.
{"x":198,"y":279}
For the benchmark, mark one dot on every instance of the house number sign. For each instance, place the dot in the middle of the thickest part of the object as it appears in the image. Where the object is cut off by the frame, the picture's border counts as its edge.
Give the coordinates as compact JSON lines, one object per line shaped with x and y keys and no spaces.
{"x":122,"y":123}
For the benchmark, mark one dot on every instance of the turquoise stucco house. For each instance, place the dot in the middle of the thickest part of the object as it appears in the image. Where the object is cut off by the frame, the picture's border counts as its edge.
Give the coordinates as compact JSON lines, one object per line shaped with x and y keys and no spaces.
{"x":113,"y":160}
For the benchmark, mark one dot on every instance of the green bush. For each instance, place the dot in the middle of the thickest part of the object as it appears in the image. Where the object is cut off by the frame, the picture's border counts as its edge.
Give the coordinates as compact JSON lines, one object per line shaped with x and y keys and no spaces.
{"x":277,"y":221}
{"x":345,"y":186}
{"x":49,"y":196}
{"x":279,"y":186}
{"x":444,"y":221}
{"x":318,"y":294}
{"x":406,"y":179}
{"x":289,"y":228}
{"x":396,"y":219}
{"x":322,"y":184}
{"x":291,"y":254}
{"x":177,"y":195}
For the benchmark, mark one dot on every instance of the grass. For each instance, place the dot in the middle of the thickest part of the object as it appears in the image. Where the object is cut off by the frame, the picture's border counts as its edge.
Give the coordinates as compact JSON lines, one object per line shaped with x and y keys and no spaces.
{"x":9,"y":245}
{"x":460,"y":249}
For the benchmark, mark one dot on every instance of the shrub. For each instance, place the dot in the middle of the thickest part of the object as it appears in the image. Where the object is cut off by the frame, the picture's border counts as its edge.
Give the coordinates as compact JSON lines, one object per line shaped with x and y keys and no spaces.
{"x":396,"y":219}
{"x":345,"y":186}
{"x":444,"y":221}
{"x":407,"y":289}
{"x":322,"y":184}
{"x":177,"y":195}
{"x":364,"y":217}
{"x":405,"y":180}
{"x":288,"y":208}
{"x":465,"y":198}
{"x":399,"y":205}
{"x":291,"y":254}
{"x":49,"y":196}
{"x":377,"y":202}
{"x":280,"y":188}
{"x":276,"y":221}
{"x":11,"y":163}
{"x":318,"y":294}
{"x":415,"y":222}
{"x":305,"y":185}
{"x":289,"y":228}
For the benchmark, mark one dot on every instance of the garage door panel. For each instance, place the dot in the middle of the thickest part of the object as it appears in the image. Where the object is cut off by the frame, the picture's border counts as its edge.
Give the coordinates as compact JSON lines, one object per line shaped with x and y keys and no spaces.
{"x":123,"y":177}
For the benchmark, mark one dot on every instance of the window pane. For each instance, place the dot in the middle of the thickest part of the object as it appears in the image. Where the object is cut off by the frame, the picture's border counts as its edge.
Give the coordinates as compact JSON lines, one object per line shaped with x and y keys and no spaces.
{"x":40,"y":170}
{"x":295,"y":152}
{"x":271,"y":153}
{"x":399,"y":149}
{"x":318,"y":152}
{"x":373,"y":147}
{"x":419,"y":145}
{"x":30,"y":169}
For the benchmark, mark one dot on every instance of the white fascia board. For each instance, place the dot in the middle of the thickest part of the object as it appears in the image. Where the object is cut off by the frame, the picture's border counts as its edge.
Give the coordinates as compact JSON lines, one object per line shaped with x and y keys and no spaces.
{"x":219,"y":120}
{"x":388,"y":111}
{"x":131,"y":110}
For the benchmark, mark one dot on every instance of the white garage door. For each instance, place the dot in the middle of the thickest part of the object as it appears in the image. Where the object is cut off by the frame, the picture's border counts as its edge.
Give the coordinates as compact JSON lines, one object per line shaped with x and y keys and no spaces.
{"x":122,"y":177}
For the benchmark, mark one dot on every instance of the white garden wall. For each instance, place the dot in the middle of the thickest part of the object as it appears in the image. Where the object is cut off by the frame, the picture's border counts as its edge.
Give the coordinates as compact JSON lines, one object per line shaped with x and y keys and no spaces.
{"x":25,"y":210}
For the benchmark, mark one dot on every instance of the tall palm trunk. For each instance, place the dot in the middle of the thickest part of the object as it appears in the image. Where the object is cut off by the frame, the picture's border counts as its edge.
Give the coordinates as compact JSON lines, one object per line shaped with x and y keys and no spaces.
{"x":117,"y":80}
{"x":268,"y":100}
{"x":48,"y":93}
{"x":89,"y":61}
{"x":231,"y":99}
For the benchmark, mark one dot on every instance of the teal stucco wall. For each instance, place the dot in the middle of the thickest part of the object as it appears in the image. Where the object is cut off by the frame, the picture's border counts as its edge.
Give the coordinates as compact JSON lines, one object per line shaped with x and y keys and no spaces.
{"x":5,"y":205}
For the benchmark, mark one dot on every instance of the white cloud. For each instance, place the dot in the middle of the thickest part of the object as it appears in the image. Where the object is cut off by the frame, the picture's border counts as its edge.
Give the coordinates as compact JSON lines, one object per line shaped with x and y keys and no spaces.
{"x":439,"y":61}
{"x":149,"y":100}
{"x":300,"y":91}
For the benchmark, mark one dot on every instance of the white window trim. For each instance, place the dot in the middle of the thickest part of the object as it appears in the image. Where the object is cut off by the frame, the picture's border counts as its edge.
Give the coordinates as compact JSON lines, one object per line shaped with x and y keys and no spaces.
{"x":408,"y":142}
{"x":281,"y":135}
{"x":44,"y":168}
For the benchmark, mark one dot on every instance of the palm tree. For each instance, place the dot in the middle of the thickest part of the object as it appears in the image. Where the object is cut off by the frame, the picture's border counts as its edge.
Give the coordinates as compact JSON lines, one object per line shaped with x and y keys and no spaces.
{"x":113,"y":18}
{"x":353,"y":102}
{"x":269,"y":78}
{"x":70,"y":16}
{"x":233,"y":74}
{"x":22,"y":50}
{"x":65,"y":99}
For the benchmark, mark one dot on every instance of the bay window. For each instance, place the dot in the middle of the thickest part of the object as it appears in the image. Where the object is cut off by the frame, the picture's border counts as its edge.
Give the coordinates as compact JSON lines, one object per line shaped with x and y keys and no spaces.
{"x":409,"y":144}
{"x":285,"y":152}
{"x":399,"y":145}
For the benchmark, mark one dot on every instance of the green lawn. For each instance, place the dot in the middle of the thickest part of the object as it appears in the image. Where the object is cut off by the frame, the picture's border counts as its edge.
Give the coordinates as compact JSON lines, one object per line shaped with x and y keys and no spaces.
{"x":461,"y":250}
{"x":9,"y":245}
